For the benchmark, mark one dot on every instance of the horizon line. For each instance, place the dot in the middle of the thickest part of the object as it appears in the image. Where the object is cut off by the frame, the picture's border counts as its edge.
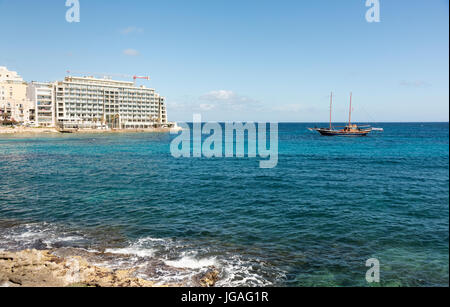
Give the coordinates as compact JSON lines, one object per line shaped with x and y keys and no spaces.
{"x":313,"y":122}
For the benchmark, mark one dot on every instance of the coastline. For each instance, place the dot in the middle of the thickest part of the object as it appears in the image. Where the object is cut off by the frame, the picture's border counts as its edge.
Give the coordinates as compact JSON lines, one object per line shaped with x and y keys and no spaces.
{"x":68,"y":267}
{"x":166,"y":262}
{"x":24,"y":131}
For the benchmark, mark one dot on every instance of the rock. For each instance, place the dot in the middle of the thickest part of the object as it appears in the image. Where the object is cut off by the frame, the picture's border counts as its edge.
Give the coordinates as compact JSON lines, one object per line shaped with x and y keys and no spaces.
{"x":15,"y":281}
{"x":39,"y":245}
{"x":32,"y":268}
{"x":209,"y":279}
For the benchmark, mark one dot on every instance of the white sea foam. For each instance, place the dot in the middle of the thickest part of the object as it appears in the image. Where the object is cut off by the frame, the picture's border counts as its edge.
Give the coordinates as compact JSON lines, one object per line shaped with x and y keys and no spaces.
{"x":131,"y":251}
{"x":144,"y":247}
{"x":28,"y":234}
{"x":239,"y":272}
{"x":183,"y":260}
{"x":188,"y":262}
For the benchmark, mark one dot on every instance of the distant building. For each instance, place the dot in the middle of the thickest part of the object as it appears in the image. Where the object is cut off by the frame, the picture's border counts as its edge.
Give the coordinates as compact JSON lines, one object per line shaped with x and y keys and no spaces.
{"x":162,"y":112}
{"x":80,"y":102}
{"x":42,"y":96}
{"x":14,"y":104}
{"x":118,"y":104}
{"x":2,"y":93}
{"x":8,"y":75}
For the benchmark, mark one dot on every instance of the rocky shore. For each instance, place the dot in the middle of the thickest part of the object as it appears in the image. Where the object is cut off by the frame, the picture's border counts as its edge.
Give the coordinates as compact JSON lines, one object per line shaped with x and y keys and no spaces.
{"x":65,"y":268}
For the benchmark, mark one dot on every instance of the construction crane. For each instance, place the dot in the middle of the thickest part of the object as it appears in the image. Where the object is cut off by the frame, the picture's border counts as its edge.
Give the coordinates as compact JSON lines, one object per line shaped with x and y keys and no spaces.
{"x":102,"y":75}
{"x":140,"y":77}
{"x":108,"y":76}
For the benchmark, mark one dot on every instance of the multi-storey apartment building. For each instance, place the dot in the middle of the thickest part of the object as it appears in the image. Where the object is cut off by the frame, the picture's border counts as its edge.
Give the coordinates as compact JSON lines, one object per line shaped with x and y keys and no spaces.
{"x":91,"y":102}
{"x":42,"y":96}
{"x":83,"y":102}
{"x":162,"y":113}
{"x":8,"y":75}
{"x":14,"y":104}
{"x":2,"y":93}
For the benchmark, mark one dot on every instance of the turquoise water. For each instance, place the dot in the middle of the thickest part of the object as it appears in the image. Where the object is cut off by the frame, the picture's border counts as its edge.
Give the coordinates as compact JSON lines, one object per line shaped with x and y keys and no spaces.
{"x":314,"y":220}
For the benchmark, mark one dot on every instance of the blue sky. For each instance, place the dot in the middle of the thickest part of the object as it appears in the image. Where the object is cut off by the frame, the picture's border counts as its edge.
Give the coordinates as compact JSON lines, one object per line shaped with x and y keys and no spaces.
{"x":251,"y":60}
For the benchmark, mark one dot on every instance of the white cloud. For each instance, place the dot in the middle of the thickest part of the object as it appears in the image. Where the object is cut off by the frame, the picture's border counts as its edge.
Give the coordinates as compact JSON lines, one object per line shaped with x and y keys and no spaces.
{"x":206,"y":107}
{"x":289,"y":108}
{"x":131,"y":52}
{"x":216,"y":105}
{"x":222,"y":95}
{"x":131,"y":29}
{"x":228,"y":99}
{"x":415,"y":83}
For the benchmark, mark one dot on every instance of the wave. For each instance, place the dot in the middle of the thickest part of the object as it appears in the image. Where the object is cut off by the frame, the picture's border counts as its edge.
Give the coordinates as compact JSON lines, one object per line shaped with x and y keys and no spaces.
{"x":189,"y":262}
{"x":139,"y":248}
{"x":162,"y":260}
{"x":183,"y":261}
{"x":38,"y":236}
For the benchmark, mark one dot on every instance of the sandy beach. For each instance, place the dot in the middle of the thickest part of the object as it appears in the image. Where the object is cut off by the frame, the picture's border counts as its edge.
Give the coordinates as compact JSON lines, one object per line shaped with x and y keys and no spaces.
{"x":27,"y":130}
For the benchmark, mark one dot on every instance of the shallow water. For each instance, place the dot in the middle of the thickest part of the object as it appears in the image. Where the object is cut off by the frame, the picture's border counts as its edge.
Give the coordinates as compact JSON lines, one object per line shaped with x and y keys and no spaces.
{"x":329,"y":205}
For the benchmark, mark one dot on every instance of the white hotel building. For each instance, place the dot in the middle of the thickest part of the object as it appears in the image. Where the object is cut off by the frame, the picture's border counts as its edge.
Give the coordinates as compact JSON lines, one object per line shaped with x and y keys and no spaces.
{"x":43,"y":97}
{"x":91,"y":102}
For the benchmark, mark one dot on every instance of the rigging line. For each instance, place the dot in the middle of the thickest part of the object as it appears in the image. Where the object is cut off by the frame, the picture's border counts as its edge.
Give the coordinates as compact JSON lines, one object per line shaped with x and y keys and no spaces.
{"x":368,"y":114}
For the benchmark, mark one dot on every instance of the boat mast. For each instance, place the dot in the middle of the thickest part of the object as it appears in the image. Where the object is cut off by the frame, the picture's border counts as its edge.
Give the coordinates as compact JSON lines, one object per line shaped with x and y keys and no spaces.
{"x":331,"y":108}
{"x":350,"y":113}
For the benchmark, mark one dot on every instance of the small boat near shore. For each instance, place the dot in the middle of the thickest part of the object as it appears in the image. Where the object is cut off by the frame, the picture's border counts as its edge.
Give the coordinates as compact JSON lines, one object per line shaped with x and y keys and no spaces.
{"x":348,"y":130}
{"x":67,"y":131}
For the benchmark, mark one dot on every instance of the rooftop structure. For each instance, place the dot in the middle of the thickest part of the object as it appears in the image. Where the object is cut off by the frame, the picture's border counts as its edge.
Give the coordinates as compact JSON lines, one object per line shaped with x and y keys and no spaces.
{"x":8,"y":75}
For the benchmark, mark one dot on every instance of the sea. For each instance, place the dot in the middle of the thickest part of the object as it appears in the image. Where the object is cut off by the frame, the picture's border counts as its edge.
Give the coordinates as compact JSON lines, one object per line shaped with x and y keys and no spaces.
{"x":315,"y":219}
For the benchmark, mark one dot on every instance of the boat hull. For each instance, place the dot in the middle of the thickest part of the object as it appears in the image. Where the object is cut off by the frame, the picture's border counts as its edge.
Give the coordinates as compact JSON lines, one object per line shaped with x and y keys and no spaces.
{"x":325,"y":132}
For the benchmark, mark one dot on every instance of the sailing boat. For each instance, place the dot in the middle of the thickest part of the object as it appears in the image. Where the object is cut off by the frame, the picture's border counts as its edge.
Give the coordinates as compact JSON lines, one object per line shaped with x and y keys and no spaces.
{"x":349,"y":130}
